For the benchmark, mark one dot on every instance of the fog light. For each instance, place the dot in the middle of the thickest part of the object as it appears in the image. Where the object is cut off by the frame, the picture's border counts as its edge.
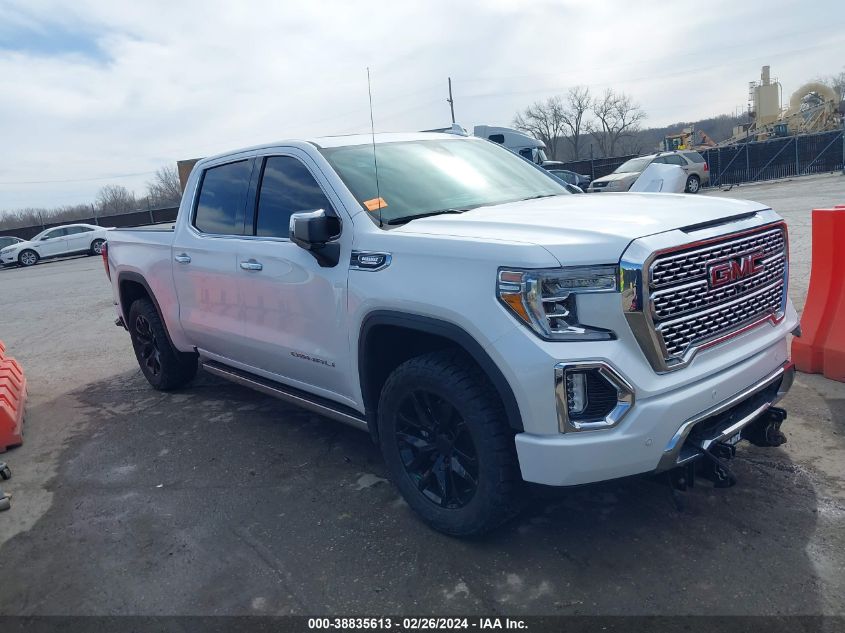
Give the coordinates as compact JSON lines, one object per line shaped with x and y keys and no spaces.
{"x":576,"y":392}
{"x":590,"y":396}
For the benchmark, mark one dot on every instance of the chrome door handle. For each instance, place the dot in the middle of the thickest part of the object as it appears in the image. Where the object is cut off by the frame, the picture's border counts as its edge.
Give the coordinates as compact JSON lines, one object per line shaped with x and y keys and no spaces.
{"x":183,"y":258}
{"x":251,"y":264}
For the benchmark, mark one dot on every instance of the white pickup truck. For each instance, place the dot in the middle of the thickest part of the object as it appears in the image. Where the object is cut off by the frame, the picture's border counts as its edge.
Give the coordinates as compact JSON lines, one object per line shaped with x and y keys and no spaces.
{"x":483,"y":325}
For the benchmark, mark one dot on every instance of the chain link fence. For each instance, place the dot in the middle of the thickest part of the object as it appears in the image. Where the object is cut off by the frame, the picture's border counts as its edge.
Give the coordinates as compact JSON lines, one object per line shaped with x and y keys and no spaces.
{"x":775,"y":158}
{"x":751,"y":161}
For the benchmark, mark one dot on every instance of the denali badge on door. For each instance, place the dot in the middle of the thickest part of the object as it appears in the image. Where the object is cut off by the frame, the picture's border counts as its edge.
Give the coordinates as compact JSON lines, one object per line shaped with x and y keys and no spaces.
{"x":368,"y":260}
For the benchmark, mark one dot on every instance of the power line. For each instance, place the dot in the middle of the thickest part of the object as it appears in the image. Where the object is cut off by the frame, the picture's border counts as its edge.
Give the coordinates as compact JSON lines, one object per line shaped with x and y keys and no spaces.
{"x":70,"y":180}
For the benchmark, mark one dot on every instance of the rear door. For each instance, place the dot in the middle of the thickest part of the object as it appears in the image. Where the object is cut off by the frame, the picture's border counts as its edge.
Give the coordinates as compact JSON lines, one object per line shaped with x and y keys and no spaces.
{"x":205,"y":270}
{"x":78,"y":239}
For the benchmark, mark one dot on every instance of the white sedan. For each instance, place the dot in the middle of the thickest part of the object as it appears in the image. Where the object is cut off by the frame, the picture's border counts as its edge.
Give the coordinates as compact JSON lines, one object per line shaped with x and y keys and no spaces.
{"x":71,"y":239}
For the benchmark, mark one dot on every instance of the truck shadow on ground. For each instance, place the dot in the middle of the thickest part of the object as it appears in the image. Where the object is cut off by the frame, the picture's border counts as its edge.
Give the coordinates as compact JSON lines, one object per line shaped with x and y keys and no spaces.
{"x":218,"y":500}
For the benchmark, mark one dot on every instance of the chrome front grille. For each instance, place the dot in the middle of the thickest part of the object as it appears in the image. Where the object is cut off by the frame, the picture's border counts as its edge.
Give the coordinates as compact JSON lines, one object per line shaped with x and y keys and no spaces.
{"x":679,"y":334}
{"x":671,"y":269}
{"x":697,"y":295}
{"x":676,"y":303}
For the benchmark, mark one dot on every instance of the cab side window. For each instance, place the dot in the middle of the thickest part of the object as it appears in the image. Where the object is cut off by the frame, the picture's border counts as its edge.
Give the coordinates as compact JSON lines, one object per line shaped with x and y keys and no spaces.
{"x":220,"y":207}
{"x":287,"y":187}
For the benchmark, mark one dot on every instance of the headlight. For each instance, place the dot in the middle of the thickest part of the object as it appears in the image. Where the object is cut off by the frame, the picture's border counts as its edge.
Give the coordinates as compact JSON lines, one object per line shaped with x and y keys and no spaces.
{"x":545,"y":300}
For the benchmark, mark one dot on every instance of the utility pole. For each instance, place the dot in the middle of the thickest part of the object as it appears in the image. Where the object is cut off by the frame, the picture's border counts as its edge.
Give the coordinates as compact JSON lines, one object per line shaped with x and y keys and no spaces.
{"x":843,"y":144}
{"x":451,"y":101}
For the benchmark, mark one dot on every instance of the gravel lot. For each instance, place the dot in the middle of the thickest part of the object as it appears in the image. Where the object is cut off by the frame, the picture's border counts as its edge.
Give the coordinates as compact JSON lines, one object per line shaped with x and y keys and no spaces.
{"x":217,"y":500}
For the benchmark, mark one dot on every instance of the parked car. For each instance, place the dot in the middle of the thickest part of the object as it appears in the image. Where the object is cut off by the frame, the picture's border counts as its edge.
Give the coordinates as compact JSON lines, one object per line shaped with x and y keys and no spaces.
{"x":8,"y":240}
{"x":485,"y":327}
{"x":693,"y":164}
{"x":58,"y":241}
{"x":579,"y":180}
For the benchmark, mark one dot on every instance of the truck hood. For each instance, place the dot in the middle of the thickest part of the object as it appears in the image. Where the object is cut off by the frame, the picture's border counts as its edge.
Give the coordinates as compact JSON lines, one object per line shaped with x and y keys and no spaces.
{"x":592,"y":228}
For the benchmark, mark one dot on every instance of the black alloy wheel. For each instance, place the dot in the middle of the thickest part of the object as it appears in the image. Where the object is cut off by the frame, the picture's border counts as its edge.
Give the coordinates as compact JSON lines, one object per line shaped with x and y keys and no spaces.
{"x":437,"y":450}
{"x":148,"y":348}
{"x":447,"y":444}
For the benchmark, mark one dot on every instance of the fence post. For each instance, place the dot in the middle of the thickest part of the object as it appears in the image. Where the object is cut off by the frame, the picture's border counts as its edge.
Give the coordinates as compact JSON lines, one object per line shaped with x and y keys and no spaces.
{"x":593,"y":167}
{"x":150,"y":211}
{"x":797,"y":171}
{"x":94,"y":213}
{"x":747,"y":163}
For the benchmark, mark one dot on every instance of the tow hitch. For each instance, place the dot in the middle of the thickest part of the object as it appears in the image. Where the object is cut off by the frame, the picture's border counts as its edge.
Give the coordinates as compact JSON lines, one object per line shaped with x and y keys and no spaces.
{"x":713,"y":455}
{"x":765,"y":431}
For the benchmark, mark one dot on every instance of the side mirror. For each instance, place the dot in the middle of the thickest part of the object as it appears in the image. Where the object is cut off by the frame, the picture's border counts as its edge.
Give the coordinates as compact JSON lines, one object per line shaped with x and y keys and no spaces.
{"x":316,"y":232}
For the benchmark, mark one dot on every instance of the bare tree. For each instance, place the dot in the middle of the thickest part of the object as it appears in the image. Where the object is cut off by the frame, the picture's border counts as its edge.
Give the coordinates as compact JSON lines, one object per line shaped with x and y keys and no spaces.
{"x":116,"y":199}
{"x":837,"y":82}
{"x":544,"y":121}
{"x":38,"y":216}
{"x":576,"y":106}
{"x":164,"y":189}
{"x":617,"y":118}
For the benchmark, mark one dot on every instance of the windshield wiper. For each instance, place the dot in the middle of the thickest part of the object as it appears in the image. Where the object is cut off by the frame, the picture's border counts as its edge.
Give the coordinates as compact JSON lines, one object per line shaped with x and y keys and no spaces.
{"x":542,"y":195}
{"x":408,"y":218}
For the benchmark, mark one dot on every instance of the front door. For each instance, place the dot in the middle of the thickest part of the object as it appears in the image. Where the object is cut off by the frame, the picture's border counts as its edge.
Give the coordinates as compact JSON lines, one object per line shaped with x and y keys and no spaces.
{"x":294,"y":310}
{"x":52,"y":243}
{"x":204,"y":252}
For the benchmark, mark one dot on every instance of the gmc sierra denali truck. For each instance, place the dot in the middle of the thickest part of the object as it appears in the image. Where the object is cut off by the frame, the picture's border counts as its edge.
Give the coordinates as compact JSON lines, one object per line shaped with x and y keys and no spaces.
{"x":486,"y":327}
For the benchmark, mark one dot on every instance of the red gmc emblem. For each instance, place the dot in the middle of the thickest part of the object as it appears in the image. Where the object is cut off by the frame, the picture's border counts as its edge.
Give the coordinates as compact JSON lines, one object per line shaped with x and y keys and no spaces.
{"x":730,"y":270}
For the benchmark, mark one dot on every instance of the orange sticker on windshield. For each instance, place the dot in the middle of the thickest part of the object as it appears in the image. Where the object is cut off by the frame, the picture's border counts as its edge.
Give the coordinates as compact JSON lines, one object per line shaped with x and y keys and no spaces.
{"x":375,"y":204}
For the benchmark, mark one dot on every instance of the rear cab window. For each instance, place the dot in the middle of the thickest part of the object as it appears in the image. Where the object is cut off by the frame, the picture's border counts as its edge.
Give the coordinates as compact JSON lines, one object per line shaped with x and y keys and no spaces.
{"x":222,"y":197}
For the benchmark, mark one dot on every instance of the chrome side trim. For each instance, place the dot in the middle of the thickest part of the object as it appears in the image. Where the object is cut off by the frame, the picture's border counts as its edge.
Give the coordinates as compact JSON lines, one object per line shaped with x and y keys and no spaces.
{"x":624,"y":397}
{"x":280,"y":391}
{"x":785,"y":374}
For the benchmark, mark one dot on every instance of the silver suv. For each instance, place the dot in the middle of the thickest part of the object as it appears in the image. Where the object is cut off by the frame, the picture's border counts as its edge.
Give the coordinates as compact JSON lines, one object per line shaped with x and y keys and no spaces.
{"x":693,"y":163}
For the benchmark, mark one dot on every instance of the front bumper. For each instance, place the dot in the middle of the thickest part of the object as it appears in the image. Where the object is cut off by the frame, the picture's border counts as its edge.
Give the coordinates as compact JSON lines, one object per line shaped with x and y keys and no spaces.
{"x":661,"y":432}
{"x":8,"y":259}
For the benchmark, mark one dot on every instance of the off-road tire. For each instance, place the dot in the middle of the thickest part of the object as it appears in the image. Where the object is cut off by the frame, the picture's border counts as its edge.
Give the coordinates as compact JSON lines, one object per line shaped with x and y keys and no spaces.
{"x":693,"y":184}
{"x":452,"y":378}
{"x":163,"y":366}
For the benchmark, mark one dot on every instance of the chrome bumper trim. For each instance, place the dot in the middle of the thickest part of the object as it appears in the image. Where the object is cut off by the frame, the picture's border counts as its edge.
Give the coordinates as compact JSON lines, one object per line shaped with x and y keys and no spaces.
{"x":785,"y":374}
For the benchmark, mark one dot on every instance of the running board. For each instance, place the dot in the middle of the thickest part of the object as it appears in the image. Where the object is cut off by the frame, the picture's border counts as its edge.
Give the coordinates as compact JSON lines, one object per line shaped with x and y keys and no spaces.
{"x":294,"y":396}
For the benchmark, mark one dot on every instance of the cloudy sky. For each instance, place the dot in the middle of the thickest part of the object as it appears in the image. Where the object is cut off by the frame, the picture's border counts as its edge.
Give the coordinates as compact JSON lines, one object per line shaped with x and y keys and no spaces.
{"x":94,"y":92}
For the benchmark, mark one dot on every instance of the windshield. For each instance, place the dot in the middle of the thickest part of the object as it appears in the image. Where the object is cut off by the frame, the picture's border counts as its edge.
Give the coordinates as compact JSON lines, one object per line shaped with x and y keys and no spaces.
{"x":635,"y":164}
{"x":417,"y":178}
